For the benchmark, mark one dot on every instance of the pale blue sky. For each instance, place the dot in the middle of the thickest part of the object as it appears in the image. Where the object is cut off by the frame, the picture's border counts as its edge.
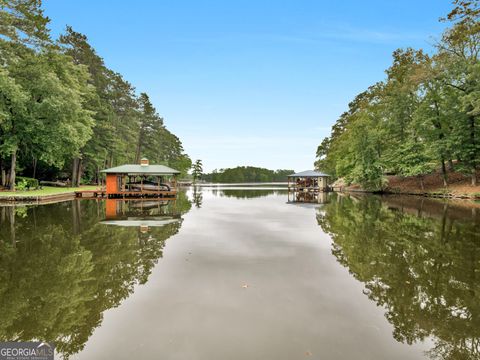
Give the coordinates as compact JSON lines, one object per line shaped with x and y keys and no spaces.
{"x":251,"y":82}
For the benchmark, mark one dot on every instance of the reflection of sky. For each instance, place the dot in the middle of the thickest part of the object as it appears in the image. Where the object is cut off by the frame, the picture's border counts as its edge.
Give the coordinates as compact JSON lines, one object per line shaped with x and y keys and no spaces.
{"x":299,"y":299}
{"x":251,"y":82}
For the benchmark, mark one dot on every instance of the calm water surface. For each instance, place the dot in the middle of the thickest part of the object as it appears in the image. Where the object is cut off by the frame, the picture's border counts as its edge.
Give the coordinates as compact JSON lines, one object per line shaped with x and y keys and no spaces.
{"x":242,"y":274}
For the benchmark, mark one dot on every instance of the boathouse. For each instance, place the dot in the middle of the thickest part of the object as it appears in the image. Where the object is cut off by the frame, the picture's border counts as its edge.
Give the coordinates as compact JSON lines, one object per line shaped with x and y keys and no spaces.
{"x":308,"y":181}
{"x":141,"y":180}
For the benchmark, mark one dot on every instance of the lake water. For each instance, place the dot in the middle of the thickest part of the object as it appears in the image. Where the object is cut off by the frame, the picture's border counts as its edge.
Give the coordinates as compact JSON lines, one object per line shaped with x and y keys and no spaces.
{"x":242,"y":274}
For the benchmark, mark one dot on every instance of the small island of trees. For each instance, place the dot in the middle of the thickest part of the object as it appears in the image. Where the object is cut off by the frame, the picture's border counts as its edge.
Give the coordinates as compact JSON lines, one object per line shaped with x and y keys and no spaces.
{"x":246,"y":174}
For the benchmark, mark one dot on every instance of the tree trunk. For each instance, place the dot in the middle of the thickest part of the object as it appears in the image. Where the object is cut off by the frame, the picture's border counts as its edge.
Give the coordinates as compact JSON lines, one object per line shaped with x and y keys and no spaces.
{"x":444,"y":173}
{"x":450,"y":165}
{"x":438,"y":125}
{"x":422,"y":185}
{"x":474,"y":154}
{"x":7,"y":179}
{"x":3,"y":175}
{"x":137,"y":153}
{"x":34,"y":163}
{"x":13,"y":166}
{"x":97,"y":176}
{"x":79,"y":172}
{"x":74,"y":171}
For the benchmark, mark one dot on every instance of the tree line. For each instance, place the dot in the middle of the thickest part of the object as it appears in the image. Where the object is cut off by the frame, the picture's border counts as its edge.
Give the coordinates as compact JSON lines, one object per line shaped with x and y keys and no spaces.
{"x":242,"y":174}
{"x":424,"y":116}
{"x":63,"y":112}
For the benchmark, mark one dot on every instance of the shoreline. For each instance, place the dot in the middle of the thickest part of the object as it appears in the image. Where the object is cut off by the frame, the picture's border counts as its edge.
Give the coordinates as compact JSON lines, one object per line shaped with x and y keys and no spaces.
{"x":36,"y":199}
{"x":41,"y":199}
{"x":45,"y":196}
{"x":431,"y":195}
{"x":458,"y":187}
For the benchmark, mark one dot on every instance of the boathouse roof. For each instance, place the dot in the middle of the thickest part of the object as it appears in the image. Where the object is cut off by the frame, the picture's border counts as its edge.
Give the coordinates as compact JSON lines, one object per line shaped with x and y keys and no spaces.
{"x":309,"y":173}
{"x":142,"y":169}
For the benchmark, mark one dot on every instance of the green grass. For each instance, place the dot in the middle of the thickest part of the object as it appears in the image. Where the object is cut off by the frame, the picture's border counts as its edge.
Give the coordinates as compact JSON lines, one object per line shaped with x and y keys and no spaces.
{"x":47,"y":190}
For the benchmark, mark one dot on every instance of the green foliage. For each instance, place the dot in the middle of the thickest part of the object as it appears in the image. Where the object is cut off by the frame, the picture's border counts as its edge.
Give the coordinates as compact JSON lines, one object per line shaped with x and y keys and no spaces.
{"x":21,"y":185}
{"x":61,"y":108}
{"x":72,"y":270}
{"x":197,"y":170}
{"x":247,"y":174}
{"x":156,"y":142}
{"x":416,"y":159}
{"x":425,"y":113}
{"x":23,"y":21}
{"x":24,"y":183}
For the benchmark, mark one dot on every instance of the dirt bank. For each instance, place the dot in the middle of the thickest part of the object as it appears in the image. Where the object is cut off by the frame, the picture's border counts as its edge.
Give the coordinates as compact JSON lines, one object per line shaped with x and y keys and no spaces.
{"x":459,"y":186}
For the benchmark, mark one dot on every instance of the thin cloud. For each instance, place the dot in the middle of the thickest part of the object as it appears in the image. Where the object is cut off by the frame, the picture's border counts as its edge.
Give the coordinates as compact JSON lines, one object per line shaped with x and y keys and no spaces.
{"x":336,"y":32}
{"x":250,"y":142}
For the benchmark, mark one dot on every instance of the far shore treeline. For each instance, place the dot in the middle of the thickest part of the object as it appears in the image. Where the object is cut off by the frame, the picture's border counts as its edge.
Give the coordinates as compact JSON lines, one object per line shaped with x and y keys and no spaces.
{"x":63,"y":113}
{"x":422,"y":118}
{"x":246,"y":174}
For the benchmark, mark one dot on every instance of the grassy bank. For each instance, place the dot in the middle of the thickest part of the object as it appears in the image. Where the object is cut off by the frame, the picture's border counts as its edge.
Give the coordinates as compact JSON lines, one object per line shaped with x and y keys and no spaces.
{"x":45,"y":191}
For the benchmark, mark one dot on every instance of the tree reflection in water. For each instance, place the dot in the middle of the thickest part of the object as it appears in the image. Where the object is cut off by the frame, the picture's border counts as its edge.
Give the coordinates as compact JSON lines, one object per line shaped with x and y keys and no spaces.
{"x":246,"y":193}
{"x":60,"y":269}
{"x":197,"y":196}
{"x":418,"y":258}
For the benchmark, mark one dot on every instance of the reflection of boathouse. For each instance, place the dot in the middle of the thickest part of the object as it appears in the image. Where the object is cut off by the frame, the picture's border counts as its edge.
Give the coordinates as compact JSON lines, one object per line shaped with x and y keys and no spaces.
{"x":142,"y":180}
{"x":142,"y":213}
{"x":319,"y":197}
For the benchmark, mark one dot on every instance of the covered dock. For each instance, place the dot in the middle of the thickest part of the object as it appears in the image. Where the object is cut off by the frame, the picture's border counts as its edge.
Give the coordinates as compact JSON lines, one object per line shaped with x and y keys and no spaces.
{"x":138,"y":181}
{"x":308,"y":181}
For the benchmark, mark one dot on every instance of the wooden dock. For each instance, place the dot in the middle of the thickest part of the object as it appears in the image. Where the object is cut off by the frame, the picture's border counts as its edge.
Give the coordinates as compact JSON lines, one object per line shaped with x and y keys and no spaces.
{"x":102,"y":193}
{"x":17,"y":200}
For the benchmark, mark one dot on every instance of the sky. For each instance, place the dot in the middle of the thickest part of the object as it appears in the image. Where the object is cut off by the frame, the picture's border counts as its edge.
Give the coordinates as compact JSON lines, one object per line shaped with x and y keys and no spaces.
{"x":251,"y":82}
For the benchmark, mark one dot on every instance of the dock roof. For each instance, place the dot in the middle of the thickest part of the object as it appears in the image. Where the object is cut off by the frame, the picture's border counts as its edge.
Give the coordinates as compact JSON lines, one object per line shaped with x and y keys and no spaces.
{"x":309,"y":173}
{"x":141,"y":170}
